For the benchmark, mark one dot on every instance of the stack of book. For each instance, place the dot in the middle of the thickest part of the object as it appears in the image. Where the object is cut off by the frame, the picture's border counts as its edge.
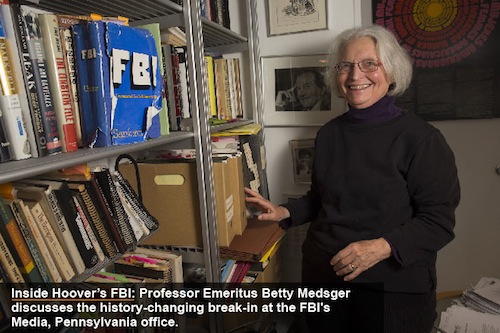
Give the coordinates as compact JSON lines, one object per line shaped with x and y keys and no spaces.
{"x":55,"y":228}
{"x":223,"y":79}
{"x":92,"y":81}
{"x":76,"y":81}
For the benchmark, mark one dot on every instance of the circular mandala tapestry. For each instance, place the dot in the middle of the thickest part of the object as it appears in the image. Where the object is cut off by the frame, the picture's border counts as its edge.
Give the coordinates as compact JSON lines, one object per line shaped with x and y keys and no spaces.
{"x":439,"y":33}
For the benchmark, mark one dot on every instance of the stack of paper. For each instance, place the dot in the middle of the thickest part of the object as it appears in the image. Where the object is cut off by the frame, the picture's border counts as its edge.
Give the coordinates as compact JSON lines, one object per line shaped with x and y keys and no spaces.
{"x":459,"y":319}
{"x":478,"y":310}
{"x":484,"y":297}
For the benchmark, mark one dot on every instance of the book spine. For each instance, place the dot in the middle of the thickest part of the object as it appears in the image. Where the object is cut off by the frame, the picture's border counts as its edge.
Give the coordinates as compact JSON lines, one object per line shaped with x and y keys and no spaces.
{"x":14,"y":54}
{"x":67,"y":236}
{"x":232,"y":87}
{"x":106,"y":241}
{"x":10,"y":103}
{"x":170,"y":87}
{"x":106,"y":183}
{"x":93,"y":82}
{"x":29,"y":82}
{"x":41,"y":243}
{"x":42,"y":83}
{"x":59,"y":82}
{"x":29,"y":238}
{"x":183,"y":82}
{"x":17,"y":244}
{"x":109,"y":216}
{"x":239,"y":98}
{"x":9,"y":264}
{"x":75,"y":224}
{"x":5,"y":154}
{"x":82,"y":215}
{"x":154,"y":28}
{"x":150,"y":222}
{"x":65,"y":23}
{"x":212,"y":99}
{"x":65,"y":269}
{"x":222,"y":91}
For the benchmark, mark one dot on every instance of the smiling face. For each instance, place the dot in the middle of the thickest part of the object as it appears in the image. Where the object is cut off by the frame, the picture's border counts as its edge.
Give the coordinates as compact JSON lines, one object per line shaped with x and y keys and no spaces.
{"x":308,"y":92}
{"x":360,"y":89}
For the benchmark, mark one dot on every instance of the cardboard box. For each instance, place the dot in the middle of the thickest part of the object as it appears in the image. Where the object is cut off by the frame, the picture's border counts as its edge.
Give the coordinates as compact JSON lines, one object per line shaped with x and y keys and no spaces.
{"x":170,"y":193}
{"x":235,"y":171}
{"x":225,"y":200}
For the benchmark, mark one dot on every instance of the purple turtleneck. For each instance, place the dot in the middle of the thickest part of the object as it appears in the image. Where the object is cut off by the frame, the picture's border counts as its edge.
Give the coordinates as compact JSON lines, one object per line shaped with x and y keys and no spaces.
{"x":382,"y":111}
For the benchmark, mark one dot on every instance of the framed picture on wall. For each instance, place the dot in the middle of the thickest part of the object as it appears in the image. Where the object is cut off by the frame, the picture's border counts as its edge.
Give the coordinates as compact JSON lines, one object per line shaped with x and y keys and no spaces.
{"x":294,"y":16}
{"x":295,"y":91}
{"x":302,"y":157}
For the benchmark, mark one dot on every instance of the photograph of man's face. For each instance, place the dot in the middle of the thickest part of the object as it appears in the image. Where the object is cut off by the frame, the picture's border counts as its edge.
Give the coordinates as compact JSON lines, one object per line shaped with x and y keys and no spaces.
{"x":301,"y":89}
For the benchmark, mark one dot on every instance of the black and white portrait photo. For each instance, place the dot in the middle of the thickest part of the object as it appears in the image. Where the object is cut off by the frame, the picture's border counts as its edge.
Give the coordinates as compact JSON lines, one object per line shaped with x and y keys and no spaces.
{"x":296,"y":93}
{"x":302,"y":154}
{"x":301,"y":89}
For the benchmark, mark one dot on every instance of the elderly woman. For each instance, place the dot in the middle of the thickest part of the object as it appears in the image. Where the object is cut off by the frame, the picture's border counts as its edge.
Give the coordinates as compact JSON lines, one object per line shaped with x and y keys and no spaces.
{"x":383,"y":195}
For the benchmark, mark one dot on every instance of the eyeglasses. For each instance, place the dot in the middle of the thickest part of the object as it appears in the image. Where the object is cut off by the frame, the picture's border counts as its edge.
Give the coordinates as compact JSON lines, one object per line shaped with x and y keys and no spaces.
{"x":365,"y":66}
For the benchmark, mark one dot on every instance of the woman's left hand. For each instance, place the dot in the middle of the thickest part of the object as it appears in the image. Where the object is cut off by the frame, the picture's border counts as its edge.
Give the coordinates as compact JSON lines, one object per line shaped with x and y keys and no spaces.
{"x":359,"y":256}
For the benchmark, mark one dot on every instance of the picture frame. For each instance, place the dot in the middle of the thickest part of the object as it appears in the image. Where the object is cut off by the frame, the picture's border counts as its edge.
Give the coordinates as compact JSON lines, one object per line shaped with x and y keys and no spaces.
{"x":295,"y":16}
{"x":302,"y":157}
{"x":289,"y":99}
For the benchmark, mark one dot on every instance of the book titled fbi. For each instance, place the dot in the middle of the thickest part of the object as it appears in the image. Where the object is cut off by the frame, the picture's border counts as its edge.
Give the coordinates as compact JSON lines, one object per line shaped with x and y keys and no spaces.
{"x":120,"y":84}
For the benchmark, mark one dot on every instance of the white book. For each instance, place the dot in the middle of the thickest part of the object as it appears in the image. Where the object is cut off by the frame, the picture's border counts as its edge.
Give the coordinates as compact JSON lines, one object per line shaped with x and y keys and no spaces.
{"x":62,"y":262}
{"x":10,"y":100}
{"x":45,"y":197}
{"x":40,"y":241}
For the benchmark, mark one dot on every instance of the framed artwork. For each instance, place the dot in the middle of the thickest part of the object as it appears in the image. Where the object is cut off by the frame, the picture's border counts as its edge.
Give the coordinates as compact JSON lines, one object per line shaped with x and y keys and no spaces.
{"x":302,"y":157}
{"x":293,"y":16}
{"x":295,"y":91}
{"x":456,"y":71}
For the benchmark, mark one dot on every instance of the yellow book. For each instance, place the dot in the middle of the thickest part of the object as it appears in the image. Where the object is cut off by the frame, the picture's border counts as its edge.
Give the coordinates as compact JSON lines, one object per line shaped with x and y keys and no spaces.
{"x":212,"y":100}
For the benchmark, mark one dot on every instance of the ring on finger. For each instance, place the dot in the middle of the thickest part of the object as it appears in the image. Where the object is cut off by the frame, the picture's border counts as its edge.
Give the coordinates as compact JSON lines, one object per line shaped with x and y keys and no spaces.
{"x":353,"y":268}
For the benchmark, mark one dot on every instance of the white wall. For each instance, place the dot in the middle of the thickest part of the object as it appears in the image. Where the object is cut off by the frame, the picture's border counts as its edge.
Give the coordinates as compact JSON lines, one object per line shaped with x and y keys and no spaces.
{"x":476,"y":249}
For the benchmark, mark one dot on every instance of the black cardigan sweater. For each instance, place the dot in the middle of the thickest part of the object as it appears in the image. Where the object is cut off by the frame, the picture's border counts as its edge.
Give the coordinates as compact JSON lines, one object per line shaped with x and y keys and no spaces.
{"x":395,"y":179}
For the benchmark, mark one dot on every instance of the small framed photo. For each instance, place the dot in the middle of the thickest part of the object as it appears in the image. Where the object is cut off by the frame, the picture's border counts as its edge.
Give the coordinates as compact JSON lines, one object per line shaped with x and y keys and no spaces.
{"x":302,"y":157}
{"x":295,"y":91}
{"x":294,"y":16}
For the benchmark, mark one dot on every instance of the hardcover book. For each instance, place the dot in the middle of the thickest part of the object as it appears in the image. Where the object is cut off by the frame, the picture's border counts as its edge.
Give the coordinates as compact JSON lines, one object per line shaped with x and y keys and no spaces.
{"x":17,"y":245}
{"x":41,"y":242}
{"x":65,"y":22}
{"x":154,"y":28}
{"x":65,"y":205}
{"x":39,"y":148}
{"x":10,"y":102}
{"x":31,"y":26}
{"x":55,"y":248}
{"x":45,"y":196}
{"x":82,"y":196}
{"x":7,"y":260}
{"x":59,"y":81}
{"x":22,"y":222}
{"x":120,"y":83}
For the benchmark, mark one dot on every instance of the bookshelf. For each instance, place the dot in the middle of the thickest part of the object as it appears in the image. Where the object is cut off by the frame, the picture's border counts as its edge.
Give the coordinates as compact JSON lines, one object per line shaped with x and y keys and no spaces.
{"x":202,"y":35}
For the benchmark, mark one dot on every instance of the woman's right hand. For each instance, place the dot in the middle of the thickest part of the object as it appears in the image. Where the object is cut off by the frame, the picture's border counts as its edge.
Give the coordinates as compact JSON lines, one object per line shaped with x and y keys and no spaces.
{"x":270,"y":211}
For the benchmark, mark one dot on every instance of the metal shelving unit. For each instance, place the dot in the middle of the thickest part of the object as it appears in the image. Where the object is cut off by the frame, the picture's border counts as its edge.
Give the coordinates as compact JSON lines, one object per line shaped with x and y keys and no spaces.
{"x":202,"y":35}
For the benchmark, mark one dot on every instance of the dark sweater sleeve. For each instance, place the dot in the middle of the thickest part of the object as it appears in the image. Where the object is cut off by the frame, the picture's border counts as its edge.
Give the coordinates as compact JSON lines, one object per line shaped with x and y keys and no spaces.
{"x":302,"y":210}
{"x":434,"y":190}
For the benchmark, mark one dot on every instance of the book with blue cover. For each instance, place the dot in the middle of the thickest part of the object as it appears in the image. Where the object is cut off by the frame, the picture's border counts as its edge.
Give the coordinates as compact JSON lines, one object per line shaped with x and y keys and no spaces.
{"x":119,"y":81}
